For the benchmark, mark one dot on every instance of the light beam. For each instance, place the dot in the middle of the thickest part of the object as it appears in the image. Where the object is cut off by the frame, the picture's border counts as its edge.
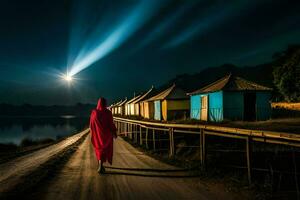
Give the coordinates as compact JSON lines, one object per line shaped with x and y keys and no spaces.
{"x":141,"y":13}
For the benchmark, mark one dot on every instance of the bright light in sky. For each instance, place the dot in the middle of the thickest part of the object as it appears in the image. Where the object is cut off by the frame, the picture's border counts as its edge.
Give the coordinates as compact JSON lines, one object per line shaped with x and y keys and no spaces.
{"x":138,"y":16}
{"x":67,"y":77}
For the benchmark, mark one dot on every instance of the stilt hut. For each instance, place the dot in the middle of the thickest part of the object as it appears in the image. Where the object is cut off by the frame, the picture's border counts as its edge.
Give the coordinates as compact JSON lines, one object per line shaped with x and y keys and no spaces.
{"x":232,"y":98}
{"x":170,"y":104}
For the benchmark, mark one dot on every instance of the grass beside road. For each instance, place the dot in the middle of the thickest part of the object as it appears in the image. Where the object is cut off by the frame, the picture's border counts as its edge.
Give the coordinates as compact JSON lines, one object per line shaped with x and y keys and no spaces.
{"x":288,"y":125}
{"x":286,"y":105}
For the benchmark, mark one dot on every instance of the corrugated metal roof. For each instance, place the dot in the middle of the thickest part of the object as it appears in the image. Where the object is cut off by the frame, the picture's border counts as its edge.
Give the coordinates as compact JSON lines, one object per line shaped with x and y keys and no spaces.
{"x":172,"y":92}
{"x":231,"y":83}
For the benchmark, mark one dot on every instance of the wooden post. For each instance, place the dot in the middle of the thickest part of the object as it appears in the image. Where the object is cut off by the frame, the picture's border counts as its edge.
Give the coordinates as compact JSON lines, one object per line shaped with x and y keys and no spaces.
{"x":128,"y":129}
{"x":171,"y":139}
{"x":201,"y":147}
{"x":133,"y":133}
{"x":203,"y":150}
{"x":153,"y":139}
{"x":136,"y":133}
{"x":147,"y":147}
{"x":141,"y":136}
{"x":249,"y":155}
{"x":123,"y":128}
{"x":117,"y":125}
{"x":128,"y":132}
{"x":131,"y":129}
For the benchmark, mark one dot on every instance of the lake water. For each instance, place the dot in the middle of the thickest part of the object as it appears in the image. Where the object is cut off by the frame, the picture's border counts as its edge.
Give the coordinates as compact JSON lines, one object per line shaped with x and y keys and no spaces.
{"x":14,"y":130}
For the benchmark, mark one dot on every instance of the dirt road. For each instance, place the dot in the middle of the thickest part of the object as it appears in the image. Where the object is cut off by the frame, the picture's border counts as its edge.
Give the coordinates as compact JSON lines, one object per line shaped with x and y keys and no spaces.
{"x":13,"y":171}
{"x":129,"y":178}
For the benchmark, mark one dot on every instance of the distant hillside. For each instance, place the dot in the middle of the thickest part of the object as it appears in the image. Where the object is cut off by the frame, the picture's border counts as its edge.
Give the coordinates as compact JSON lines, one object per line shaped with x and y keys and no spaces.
{"x":261,"y":74}
{"x":281,"y":74}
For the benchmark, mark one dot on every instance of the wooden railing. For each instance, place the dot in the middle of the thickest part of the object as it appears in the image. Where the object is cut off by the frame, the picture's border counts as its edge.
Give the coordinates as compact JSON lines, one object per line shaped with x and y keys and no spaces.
{"x":133,"y":130}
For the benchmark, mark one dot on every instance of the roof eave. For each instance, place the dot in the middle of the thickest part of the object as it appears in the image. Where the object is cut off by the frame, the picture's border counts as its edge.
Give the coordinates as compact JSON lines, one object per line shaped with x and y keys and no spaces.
{"x":196,"y":93}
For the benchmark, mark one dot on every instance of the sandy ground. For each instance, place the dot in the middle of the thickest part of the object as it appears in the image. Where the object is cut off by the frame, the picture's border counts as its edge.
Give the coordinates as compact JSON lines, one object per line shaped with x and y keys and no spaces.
{"x":131,"y":177}
{"x":13,"y":171}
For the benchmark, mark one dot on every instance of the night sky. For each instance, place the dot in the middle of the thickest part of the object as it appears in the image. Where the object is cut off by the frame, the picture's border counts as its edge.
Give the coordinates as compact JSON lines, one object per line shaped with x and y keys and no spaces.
{"x":116,"y":48}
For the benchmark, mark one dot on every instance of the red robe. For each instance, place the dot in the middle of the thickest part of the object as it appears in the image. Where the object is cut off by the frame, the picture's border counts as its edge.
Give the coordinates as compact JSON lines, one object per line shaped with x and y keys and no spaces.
{"x":102,"y":129}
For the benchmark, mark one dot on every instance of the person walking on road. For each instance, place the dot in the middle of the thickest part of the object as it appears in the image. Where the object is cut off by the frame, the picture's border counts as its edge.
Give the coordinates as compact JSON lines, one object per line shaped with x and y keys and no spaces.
{"x":103,"y":130}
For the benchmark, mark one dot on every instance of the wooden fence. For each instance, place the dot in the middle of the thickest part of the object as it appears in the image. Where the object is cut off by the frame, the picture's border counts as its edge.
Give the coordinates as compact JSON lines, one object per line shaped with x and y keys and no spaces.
{"x":133,"y":130}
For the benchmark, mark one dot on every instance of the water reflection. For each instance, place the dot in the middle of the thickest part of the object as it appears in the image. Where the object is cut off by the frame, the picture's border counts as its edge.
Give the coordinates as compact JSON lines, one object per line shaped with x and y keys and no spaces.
{"x":14,"y":130}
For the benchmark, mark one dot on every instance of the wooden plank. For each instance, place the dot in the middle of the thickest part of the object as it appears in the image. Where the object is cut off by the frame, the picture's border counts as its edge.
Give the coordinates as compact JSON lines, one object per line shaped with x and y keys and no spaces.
{"x":159,"y":129}
{"x":204,"y":108}
{"x":183,"y":131}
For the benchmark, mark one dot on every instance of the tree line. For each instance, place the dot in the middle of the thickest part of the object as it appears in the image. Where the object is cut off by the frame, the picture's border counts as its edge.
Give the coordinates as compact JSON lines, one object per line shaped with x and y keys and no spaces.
{"x":287,"y":73}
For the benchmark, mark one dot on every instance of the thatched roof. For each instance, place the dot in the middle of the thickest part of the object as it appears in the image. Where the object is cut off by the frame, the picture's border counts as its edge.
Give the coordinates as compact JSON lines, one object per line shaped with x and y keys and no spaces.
{"x":172,"y":93}
{"x":123,"y":102}
{"x":133,"y":99}
{"x":145,"y":96}
{"x":115,"y":104}
{"x":231,"y":83}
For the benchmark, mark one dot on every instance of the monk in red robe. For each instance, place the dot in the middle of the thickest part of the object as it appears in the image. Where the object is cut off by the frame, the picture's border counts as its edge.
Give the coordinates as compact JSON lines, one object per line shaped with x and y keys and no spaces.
{"x":103,"y":130}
